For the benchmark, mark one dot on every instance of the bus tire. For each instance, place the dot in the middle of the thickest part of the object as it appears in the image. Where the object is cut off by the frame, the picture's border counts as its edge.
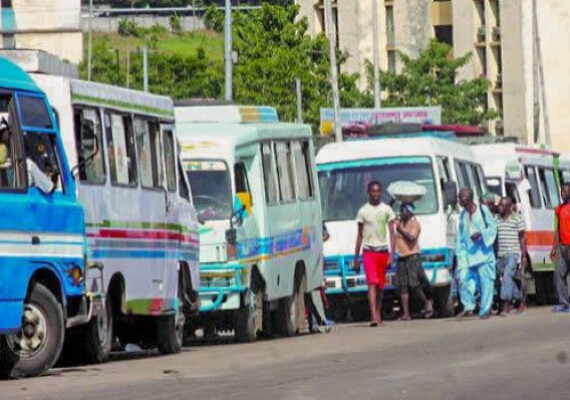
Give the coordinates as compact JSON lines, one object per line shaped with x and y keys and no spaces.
{"x":248,"y":323}
{"x":98,"y":335}
{"x":170,"y":328}
{"x":444,"y":302}
{"x":37,"y":347}
{"x":290,"y":313}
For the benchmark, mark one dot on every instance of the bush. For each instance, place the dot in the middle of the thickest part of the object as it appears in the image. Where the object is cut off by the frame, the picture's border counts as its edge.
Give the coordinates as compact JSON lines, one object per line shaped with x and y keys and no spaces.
{"x":129,"y":28}
{"x":175,"y":24}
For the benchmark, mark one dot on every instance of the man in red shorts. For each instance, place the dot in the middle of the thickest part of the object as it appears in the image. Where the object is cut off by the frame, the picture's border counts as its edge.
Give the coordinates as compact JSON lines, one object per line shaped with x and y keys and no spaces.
{"x":374,"y":222}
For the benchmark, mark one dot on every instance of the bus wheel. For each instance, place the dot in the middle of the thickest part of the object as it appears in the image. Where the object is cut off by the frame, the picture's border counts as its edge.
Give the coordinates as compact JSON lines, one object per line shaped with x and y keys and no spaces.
{"x":170,"y":329}
{"x":37,"y":346}
{"x":444,"y":302}
{"x":98,"y":335}
{"x":290,"y":313}
{"x":249,"y":318}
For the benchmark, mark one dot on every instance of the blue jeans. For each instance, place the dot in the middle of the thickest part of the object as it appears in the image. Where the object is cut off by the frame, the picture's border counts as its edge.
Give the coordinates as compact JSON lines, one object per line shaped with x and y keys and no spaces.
{"x":507,"y":267}
{"x":479,"y":278}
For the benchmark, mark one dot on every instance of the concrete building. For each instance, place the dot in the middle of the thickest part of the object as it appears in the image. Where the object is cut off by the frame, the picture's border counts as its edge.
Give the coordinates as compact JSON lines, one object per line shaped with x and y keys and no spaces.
{"x":498,"y":33}
{"x":50,"y":25}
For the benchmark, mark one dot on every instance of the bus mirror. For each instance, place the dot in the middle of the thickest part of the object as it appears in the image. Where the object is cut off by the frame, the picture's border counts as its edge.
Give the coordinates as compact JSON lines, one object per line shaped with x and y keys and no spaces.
{"x":88,"y":137}
{"x":231,"y":236}
{"x":450,"y":192}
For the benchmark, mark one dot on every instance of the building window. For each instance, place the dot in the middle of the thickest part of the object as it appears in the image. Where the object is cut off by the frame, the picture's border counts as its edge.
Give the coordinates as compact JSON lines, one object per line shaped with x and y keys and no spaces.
{"x":392,"y":61}
{"x":444,"y":33}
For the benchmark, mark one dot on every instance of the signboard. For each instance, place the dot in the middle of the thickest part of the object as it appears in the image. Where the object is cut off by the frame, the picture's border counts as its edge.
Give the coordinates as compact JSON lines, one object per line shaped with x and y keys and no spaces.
{"x":370,"y":116}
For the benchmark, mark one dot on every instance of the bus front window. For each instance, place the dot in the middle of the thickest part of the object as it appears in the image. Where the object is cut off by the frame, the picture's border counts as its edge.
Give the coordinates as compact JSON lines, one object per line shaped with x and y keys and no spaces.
{"x":211,"y":188}
{"x":344,"y":188}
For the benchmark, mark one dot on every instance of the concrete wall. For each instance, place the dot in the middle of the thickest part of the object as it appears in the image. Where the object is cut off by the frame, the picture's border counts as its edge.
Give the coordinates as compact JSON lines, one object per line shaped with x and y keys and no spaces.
{"x":111,"y":24}
{"x":50,"y":25}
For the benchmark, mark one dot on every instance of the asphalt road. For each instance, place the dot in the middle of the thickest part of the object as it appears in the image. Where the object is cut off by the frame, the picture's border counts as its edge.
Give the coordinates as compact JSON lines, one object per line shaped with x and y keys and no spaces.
{"x":519,"y":357}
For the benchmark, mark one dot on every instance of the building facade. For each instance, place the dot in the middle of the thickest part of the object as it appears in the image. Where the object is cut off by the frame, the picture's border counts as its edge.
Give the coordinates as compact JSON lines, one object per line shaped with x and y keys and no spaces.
{"x":50,"y":25}
{"x":500,"y":35}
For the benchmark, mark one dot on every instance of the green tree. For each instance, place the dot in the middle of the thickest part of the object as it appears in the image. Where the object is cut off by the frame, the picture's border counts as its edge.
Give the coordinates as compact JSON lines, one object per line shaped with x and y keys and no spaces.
{"x":274,"y":50}
{"x":431,"y":79}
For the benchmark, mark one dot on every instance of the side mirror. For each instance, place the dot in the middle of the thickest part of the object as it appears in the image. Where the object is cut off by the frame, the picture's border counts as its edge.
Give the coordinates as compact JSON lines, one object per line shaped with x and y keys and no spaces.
{"x":201,"y":218}
{"x":231,"y":236}
{"x":450,"y":193}
{"x":88,"y":137}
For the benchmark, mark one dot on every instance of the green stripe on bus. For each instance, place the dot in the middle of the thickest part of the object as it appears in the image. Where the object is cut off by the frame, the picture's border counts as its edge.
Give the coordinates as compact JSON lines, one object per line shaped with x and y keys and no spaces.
{"x":137,"y":225}
{"x":122,"y":104}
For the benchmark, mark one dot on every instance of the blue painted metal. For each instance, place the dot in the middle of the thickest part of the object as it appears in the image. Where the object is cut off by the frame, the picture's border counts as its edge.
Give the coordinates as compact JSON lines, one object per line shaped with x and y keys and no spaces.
{"x":30,"y":213}
{"x":236,"y":284}
{"x":8,"y":19}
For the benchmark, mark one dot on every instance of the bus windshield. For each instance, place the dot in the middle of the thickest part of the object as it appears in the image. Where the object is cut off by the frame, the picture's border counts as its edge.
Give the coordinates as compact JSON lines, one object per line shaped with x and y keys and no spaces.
{"x":211,"y":188}
{"x":344,"y":186}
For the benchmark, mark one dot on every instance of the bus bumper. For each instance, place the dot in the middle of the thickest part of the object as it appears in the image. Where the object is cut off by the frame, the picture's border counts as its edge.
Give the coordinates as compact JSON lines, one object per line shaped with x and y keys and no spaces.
{"x":221,"y":286}
{"x":342,"y":279}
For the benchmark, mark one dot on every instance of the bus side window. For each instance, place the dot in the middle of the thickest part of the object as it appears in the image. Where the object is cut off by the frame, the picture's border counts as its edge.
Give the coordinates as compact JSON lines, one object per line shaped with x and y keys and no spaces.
{"x":183,"y":189}
{"x":513,"y":192}
{"x":461,"y":176}
{"x":303,"y":177}
{"x":549,"y":187}
{"x":87,"y":122}
{"x":308,"y":167}
{"x":121,"y":147}
{"x":271,"y":194}
{"x":283,"y":172}
{"x":534,"y":194}
{"x":148,"y":148}
{"x":169,"y":160}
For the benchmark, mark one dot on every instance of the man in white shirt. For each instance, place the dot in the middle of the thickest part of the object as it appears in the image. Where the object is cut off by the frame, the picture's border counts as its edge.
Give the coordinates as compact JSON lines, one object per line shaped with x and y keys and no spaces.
{"x":374,"y":223}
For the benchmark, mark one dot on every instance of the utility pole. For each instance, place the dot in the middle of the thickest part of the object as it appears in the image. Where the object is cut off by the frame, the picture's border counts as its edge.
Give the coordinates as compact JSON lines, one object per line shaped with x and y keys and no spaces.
{"x":331,"y":34}
{"x":90,"y":42}
{"x":128,"y":65}
{"x":299,"y":101}
{"x":376,"y":55}
{"x":228,"y":51}
{"x":145,"y":69}
{"x":541,"y":75}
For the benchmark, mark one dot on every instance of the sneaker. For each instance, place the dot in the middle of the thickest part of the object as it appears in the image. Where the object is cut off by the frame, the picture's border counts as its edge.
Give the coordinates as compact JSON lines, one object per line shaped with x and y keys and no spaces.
{"x":324,"y":329}
{"x":561,"y":309}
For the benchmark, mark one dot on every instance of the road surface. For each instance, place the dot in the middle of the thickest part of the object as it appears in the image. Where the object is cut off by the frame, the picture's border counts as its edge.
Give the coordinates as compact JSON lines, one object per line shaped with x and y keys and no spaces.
{"x":519,"y":357}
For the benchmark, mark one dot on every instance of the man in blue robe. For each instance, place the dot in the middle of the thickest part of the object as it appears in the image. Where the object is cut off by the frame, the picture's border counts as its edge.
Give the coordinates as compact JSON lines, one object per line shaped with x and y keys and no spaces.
{"x":475,"y":255}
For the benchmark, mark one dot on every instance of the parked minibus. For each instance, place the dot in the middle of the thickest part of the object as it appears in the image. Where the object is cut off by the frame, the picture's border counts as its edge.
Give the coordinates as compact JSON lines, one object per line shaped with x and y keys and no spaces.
{"x":254,"y":185}
{"x":42,"y":233}
{"x":433,"y":160}
{"x":141,"y":225}
{"x":531,"y":176}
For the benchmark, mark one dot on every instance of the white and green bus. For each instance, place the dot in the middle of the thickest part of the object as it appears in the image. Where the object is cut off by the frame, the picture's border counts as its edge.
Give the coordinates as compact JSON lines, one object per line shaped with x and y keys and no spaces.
{"x":254,"y":185}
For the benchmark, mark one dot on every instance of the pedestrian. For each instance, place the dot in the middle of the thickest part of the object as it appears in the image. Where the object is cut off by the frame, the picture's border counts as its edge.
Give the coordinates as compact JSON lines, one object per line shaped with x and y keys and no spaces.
{"x":315,"y":303}
{"x":375,"y":237}
{"x":475,"y":255}
{"x":560,"y":252}
{"x":511,"y":255}
{"x":410,"y":274}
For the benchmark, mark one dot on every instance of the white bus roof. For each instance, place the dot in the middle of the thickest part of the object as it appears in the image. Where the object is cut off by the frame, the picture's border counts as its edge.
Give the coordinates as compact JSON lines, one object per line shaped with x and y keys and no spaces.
{"x":503,"y":153}
{"x":100,"y":94}
{"x":227,"y":114}
{"x":218,"y":139}
{"x":376,"y":148}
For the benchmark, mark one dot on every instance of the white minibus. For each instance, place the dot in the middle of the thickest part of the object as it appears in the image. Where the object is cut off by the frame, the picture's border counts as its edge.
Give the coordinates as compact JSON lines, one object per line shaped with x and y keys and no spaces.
{"x":253,"y":182}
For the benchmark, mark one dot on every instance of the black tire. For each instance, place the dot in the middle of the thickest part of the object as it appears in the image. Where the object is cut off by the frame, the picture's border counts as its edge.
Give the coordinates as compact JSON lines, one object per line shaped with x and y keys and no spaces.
{"x":170,"y":329}
{"x":290,"y":313}
{"x":444,"y":302}
{"x":97,"y":335}
{"x":42,"y":321}
{"x":249,"y":318}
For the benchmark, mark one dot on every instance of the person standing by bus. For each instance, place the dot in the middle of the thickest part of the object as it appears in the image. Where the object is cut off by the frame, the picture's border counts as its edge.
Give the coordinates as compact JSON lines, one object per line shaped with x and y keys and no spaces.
{"x":475,"y":255}
{"x":410,"y":273}
{"x":375,"y":237}
{"x":560,"y":252}
{"x":511,"y":249}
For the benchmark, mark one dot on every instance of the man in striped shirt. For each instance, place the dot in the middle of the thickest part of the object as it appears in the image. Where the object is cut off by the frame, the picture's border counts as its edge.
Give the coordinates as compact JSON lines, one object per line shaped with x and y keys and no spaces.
{"x":511,"y":249}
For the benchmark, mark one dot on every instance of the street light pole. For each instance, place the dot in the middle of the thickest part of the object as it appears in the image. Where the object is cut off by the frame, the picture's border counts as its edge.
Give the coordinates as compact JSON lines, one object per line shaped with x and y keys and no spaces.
{"x":377,"y":92}
{"x":331,"y":34}
{"x":90,"y":42}
{"x":228,"y":51}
